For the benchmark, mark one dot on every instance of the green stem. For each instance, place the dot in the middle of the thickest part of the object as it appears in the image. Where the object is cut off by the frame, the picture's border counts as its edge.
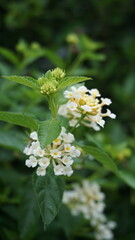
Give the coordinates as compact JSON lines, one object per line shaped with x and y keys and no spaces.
{"x":79,"y":120}
{"x":53,"y":105}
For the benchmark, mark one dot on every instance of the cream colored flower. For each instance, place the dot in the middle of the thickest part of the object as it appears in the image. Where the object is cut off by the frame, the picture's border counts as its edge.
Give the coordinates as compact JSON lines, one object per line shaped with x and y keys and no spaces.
{"x":59,"y":153}
{"x":85,"y":104}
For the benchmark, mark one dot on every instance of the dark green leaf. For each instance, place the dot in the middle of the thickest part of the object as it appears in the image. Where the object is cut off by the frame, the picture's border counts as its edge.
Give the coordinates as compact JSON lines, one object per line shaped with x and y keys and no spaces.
{"x":21,"y":119}
{"x":27,"y":81}
{"x":49,"y":191}
{"x":28,"y":214}
{"x":48,"y":131}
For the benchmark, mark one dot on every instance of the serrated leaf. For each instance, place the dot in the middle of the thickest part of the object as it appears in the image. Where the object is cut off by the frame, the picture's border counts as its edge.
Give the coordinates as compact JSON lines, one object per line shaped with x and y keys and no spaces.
{"x":49,"y":191}
{"x":21,"y":119}
{"x":28,"y":213}
{"x":24,"y":80}
{"x":48,"y":131}
{"x":65,"y":82}
{"x":102,"y":157}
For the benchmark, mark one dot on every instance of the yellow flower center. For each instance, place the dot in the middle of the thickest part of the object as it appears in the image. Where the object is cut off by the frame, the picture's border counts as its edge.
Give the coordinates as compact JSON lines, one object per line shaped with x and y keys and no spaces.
{"x":55,"y":153}
{"x":67,"y":148}
{"x":56,"y":140}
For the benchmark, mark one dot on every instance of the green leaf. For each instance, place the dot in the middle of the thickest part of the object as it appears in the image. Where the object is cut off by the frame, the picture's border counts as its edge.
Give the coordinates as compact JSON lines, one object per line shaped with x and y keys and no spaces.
{"x":102,"y":157}
{"x":12,"y":140}
{"x":49,"y":191}
{"x":21,"y":119}
{"x":48,"y":131}
{"x":93,"y":56}
{"x":27,"y":81}
{"x":9,"y":234}
{"x":8,"y":54}
{"x":66,"y":221}
{"x":28,"y":213}
{"x":108,"y":163}
{"x":127,"y":177}
{"x":71,"y":80}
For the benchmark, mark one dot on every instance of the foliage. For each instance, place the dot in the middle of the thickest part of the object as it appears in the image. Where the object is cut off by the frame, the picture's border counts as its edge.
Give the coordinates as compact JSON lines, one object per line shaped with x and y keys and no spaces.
{"x":98,"y":41}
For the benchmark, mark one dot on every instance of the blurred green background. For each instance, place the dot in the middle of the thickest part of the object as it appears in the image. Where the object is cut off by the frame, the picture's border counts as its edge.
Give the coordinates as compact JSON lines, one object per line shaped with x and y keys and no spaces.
{"x":92,"y":38}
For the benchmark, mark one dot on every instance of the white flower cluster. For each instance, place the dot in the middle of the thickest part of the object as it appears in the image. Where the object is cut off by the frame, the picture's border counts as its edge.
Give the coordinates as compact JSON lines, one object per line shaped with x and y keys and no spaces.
{"x":60,"y":152}
{"x":88,"y":200}
{"x":85,"y":103}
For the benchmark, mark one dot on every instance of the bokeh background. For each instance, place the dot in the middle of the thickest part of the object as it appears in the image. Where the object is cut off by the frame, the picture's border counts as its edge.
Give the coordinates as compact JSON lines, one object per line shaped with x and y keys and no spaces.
{"x":92,"y":38}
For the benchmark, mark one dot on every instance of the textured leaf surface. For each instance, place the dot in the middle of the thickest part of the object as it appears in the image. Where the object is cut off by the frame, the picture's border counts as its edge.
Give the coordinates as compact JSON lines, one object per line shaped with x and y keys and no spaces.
{"x":27,"y":81}
{"x":21,"y":119}
{"x":49,"y":191}
{"x":48,"y":131}
{"x":71,"y":80}
{"x":28,"y":212}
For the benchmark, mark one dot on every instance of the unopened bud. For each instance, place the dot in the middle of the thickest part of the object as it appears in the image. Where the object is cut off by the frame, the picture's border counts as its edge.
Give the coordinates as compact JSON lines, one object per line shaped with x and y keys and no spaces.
{"x":49,"y":87}
{"x":58,"y":73}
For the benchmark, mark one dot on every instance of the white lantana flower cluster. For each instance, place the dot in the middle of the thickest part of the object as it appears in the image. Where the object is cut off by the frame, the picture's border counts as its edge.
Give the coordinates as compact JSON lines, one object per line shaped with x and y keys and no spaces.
{"x":84,"y":103}
{"x":88,"y":200}
{"x":60,"y":152}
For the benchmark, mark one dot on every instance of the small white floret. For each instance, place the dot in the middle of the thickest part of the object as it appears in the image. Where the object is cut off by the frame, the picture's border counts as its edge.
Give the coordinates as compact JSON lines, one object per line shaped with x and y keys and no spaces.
{"x":74,"y":152}
{"x":67,"y":160}
{"x":86,"y":108}
{"x":68,"y":94}
{"x":69,"y":137}
{"x":34,"y":161}
{"x":34,"y":136}
{"x":68,"y":171}
{"x":28,"y":163}
{"x":44,"y":162}
{"x":31,"y":162}
{"x":106,"y":101}
{"x":95,"y":93}
{"x":63,"y":131}
{"x":41,"y":171}
{"x":82,"y":89}
{"x":73,"y":122}
{"x":39,"y":152}
{"x":110,"y":114}
{"x":67,"y":147}
{"x":72,"y":106}
{"x":57,"y":141}
{"x":27,"y":151}
{"x":63,"y":110}
{"x":58,"y":170}
{"x":55,"y":153}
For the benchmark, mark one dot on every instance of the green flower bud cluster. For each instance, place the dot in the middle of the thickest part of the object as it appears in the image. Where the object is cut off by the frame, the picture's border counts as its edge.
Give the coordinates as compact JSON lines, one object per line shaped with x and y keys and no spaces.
{"x":49,"y":81}
{"x":58,"y":73}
